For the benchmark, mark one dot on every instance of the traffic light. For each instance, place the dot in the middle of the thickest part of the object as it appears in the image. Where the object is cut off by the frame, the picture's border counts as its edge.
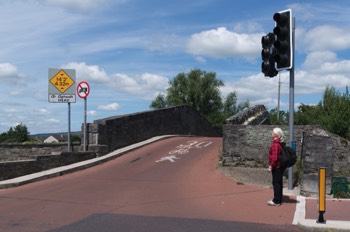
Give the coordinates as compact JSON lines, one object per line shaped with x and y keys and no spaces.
{"x":283,"y":44}
{"x":267,"y":54}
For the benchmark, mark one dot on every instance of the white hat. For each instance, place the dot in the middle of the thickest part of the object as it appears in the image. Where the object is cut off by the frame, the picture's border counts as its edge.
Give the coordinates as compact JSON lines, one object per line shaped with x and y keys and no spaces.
{"x":278,"y":131}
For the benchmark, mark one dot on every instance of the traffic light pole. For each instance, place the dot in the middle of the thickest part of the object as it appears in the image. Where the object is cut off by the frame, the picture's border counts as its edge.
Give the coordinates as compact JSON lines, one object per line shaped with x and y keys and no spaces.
{"x":291,"y":105}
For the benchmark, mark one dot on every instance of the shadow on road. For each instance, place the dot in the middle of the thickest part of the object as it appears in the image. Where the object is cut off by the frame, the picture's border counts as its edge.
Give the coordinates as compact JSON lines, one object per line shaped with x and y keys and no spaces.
{"x":117,"y":222}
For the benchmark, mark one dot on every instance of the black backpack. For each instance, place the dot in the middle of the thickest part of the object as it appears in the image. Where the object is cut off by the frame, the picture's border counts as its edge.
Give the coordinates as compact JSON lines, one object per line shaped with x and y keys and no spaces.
{"x":288,"y":156}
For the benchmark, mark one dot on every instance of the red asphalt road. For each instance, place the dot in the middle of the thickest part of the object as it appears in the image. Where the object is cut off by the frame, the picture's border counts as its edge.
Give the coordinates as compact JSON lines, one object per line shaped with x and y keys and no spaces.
{"x":143,"y":183}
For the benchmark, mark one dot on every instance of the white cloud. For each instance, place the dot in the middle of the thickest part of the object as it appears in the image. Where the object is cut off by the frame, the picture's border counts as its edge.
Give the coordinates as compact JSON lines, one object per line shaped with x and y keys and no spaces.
{"x":314,"y":60}
{"x":77,"y":5}
{"x":263,"y":90}
{"x":10,"y":75}
{"x":112,"y":106}
{"x":92,"y":113}
{"x":41,"y":112}
{"x":342,"y":66}
{"x":15,"y":93}
{"x":254,"y":88}
{"x":326,"y":37}
{"x":89,"y":73}
{"x":326,"y":63}
{"x":147,"y":85}
{"x":247,"y":27}
{"x":10,"y":110}
{"x":200,"y":59}
{"x":305,"y":12}
{"x":52,"y":120}
{"x":316,"y":83}
{"x":220,"y":43}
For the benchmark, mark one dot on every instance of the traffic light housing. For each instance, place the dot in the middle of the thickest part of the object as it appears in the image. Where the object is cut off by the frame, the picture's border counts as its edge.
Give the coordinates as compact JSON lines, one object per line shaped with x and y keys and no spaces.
{"x":283,"y":44}
{"x":268,"y":55}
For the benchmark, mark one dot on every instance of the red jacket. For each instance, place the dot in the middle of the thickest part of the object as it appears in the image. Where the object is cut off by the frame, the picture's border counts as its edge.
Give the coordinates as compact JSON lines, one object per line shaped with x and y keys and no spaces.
{"x":275,"y":153}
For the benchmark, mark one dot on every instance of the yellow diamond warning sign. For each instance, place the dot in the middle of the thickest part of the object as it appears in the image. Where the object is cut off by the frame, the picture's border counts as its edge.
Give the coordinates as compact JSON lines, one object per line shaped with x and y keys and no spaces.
{"x":62,"y":81}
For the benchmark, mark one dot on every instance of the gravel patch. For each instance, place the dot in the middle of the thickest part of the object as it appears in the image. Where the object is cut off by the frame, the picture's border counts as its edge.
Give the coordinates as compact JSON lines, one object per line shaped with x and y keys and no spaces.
{"x":245,"y":175}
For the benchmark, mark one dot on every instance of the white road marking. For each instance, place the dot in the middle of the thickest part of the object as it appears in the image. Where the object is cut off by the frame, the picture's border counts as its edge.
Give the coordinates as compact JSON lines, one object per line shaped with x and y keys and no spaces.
{"x":184,"y":149}
{"x":171,"y":158}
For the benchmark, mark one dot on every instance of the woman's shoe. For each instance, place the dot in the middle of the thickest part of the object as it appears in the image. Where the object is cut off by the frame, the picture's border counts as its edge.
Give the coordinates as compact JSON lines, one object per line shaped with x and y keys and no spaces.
{"x":271,"y":203}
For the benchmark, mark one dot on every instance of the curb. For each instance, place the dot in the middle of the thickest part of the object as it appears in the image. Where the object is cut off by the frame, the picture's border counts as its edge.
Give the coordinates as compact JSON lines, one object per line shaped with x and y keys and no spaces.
{"x":311,"y":224}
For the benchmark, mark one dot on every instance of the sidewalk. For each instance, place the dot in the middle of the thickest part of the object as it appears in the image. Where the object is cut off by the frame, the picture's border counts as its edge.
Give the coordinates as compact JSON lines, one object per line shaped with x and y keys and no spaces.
{"x":337,"y":215}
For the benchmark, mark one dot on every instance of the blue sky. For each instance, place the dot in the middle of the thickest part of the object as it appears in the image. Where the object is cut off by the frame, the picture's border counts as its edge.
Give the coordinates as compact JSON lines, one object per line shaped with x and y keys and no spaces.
{"x":128,"y":50}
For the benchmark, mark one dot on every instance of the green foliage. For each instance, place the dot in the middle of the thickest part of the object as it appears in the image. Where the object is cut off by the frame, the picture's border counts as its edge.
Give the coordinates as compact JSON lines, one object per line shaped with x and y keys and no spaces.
{"x":308,"y":115}
{"x":75,"y":138}
{"x":19,"y":134}
{"x":230,"y":104}
{"x":159,"y":102}
{"x":332,"y":113}
{"x":200,"y":90}
{"x":231,"y":107}
{"x":337,"y":112}
{"x":278,"y":119}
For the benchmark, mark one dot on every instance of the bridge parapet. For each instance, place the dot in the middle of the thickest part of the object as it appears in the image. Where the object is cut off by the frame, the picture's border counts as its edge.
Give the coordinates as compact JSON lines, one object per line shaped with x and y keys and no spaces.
{"x":123,"y":130}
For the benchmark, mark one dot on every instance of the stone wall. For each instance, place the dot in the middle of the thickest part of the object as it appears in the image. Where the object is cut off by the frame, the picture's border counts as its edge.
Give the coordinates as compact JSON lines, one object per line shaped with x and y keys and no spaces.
{"x":12,"y":169}
{"x":16,"y":152}
{"x":319,"y":152}
{"x":246,"y":145}
{"x":120,"y":131}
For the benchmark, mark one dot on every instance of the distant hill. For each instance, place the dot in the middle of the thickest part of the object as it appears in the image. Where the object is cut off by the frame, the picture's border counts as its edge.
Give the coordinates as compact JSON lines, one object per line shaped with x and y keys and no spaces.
{"x":45,"y":135}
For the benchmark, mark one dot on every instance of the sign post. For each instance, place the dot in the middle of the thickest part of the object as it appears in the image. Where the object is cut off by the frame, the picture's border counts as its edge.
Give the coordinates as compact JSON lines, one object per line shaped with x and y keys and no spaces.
{"x":62,"y":90}
{"x":83,"y":90}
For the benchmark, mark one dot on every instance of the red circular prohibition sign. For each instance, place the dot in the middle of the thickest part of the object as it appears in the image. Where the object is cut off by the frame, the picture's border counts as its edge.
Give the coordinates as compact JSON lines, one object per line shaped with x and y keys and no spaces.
{"x":83,"y":89}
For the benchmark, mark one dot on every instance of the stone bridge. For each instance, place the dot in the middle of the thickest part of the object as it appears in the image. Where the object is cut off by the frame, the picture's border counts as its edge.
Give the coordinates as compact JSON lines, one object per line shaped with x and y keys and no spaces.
{"x":104,"y":135}
{"x":246,"y":139}
{"x":109,"y":134}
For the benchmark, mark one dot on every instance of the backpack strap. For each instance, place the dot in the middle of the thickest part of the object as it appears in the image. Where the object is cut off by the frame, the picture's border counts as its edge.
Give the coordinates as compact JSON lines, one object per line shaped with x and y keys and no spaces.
{"x":282,"y":144}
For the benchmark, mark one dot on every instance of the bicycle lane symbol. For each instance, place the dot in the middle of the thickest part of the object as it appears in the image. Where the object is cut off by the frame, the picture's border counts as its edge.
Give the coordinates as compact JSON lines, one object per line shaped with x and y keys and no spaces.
{"x":184,"y":149}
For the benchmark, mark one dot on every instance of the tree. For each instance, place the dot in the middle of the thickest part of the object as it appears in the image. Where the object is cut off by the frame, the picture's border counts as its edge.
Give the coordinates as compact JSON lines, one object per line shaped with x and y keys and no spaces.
{"x":231,"y":107}
{"x":200,"y":90}
{"x":19,"y":134}
{"x":243,"y":105}
{"x":159,"y":102}
{"x":336,"y":111}
{"x":332,"y":113}
{"x":283,"y":117}
{"x":308,"y":115}
{"x":230,"y":104}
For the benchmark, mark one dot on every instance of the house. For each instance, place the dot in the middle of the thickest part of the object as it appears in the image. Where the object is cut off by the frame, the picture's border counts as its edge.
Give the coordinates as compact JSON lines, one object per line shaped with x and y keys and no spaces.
{"x":58,"y":138}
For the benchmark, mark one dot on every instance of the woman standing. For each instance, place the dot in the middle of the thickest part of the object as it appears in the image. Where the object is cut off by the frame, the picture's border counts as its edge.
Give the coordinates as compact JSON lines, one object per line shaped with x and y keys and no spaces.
{"x":274,"y":167}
